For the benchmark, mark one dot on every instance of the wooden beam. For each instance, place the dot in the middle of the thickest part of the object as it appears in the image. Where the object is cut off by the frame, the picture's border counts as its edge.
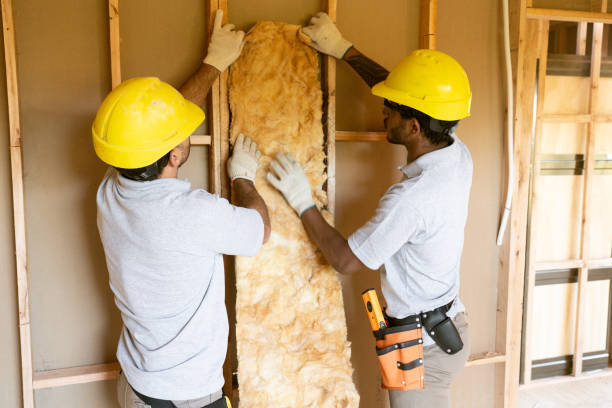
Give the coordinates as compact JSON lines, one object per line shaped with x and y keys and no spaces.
{"x":115,"y":42}
{"x":427,"y":36}
{"x":215,"y":159}
{"x":581,"y":38}
{"x":200,"y":140}
{"x":565,"y":118}
{"x":586,"y":201}
{"x":542,"y":45}
{"x":512,"y":256}
{"x":328,"y":77}
{"x":76,"y":375}
{"x":485,"y":358}
{"x":569,"y":15}
{"x":349,"y":136}
{"x":16,"y":156}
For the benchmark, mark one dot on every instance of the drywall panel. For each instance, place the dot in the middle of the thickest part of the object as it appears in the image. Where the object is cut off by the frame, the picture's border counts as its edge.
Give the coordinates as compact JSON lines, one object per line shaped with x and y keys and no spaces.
{"x":596,"y":315}
{"x":558,"y":212}
{"x":557,"y":95}
{"x":600,"y":243}
{"x":92,"y":395}
{"x":604,"y":102}
{"x":63,"y":76}
{"x":563,"y":138}
{"x":554,"y":320}
{"x":169,"y":43}
{"x":10,"y":372}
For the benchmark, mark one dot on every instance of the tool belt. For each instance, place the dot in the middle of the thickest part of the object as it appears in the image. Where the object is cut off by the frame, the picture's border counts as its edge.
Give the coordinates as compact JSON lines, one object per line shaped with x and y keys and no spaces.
{"x":223,"y":402}
{"x":439,"y":326}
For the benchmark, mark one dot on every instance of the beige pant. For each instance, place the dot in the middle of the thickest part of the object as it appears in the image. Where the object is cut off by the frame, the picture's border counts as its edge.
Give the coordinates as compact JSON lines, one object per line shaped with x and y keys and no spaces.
{"x":440,"y":369}
{"x":128,"y":398}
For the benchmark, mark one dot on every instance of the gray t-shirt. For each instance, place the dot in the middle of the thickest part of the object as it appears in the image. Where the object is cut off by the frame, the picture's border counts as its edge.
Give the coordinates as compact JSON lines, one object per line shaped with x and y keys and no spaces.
{"x":164,"y":244}
{"x":417,"y":233}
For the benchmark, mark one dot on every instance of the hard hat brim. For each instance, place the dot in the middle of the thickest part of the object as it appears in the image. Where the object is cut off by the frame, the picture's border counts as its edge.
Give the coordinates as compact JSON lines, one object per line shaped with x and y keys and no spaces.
{"x":441,"y":110}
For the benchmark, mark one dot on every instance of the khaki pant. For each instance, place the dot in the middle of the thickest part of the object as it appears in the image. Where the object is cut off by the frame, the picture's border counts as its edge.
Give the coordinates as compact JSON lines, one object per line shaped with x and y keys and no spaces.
{"x":128,"y":398}
{"x":440,"y":369}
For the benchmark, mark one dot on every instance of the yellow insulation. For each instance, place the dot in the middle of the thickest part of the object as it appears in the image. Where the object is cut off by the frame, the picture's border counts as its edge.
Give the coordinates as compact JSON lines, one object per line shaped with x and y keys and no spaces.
{"x":291,"y":328}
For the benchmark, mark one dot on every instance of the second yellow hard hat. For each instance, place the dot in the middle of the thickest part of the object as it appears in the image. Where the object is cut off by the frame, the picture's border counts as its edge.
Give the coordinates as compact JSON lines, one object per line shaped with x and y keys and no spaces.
{"x":431,"y":82}
{"x":140,"y":121}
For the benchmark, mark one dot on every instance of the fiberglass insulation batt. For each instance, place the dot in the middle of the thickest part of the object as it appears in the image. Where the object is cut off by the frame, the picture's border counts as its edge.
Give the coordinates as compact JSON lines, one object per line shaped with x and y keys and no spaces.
{"x":291,"y":329}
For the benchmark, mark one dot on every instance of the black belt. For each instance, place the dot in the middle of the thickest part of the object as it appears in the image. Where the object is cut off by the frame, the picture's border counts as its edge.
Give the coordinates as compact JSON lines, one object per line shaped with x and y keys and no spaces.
{"x":438,"y":325}
{"x":157,"y":403}
{"x":419,"y":317}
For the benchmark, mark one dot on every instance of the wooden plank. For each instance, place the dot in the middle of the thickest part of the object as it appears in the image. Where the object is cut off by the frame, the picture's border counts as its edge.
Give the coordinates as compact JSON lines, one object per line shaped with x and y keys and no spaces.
{"x":214,"y":115}
{"x":328,"y":77}
{"x":115,"y":42}
{"x":554,"y":265}
{"x":200,"y":140}
{"x":350,"y":136}
{"x":16,"y":156}
{"x":569,"y":15}
{"x":599,"y":263}
{"x":512,"y":255}
{"x":565,"y":118}
{"x":581,"y":38}
{"x":427,"y":34}
{"x":566,"y":379}
{"x":485,"y":358}
{"x":586,"y":200}
{"x":76,"y":375}
{"x":543,"y":28}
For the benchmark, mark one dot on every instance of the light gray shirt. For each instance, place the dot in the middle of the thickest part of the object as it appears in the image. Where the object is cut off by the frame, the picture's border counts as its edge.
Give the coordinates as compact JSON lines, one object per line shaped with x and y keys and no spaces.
{"x":164,"y":243}
{"x":417,"y":233}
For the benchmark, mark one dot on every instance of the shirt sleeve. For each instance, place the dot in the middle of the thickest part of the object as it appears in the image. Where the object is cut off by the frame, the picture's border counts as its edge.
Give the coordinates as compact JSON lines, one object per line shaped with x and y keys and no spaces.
{"x":229,"y":229}
{"x":393,"y":225}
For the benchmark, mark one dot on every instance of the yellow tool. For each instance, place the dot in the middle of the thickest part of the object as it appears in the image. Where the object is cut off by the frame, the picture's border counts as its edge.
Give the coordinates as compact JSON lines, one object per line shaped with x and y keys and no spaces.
{"x":375,"y":314}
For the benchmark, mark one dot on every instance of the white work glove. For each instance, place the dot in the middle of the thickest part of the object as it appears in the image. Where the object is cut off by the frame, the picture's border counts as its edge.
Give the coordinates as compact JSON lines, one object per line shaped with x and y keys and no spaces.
{"x":326,"y":37}
{"x":291,"y":181}
{"x":244,"y":160}
{"x":225,"y":44}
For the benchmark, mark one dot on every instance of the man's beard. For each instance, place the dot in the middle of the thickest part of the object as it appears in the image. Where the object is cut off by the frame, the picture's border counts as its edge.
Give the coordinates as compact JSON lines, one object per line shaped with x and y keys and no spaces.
{"x":394,"y":135}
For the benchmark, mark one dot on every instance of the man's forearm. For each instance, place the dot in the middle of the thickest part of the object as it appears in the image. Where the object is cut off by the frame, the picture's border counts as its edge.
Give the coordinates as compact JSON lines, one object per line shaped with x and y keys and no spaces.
{"x":245,"y":195}
{"x":371,"y":72}
{"x":334,"y":246}
{"x":197,"y":86}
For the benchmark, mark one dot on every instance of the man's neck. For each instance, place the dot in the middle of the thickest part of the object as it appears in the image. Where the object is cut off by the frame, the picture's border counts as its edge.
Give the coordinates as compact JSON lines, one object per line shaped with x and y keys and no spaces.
{"x":419,"y":148}
{"x":169,"y":172}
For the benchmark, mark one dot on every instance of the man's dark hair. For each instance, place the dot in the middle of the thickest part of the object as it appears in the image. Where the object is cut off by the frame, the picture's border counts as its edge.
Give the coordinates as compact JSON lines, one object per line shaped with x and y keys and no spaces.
{"x":437,"y":131}
{"x":147,"y":173}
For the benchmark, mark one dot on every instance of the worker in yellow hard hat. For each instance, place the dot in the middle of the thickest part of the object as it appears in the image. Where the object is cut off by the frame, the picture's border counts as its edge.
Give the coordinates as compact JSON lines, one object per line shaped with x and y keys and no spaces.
{"x":164,"y":241}
{"x":416,"y":235}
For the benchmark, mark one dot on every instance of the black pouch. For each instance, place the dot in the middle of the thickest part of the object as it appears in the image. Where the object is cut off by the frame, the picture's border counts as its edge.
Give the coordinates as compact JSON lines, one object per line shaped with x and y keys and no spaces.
{"x":443,"y":331}
{"x":223,"y":402}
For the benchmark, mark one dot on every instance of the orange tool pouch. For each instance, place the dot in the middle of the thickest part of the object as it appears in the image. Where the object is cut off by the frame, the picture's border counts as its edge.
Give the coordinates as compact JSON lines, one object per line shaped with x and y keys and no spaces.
{"x":400,"y":356}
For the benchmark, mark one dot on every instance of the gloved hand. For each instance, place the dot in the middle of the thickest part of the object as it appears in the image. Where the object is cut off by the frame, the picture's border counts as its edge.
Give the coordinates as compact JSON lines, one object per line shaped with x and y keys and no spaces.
{"x":326,"y":37}
{"x":291,"y":181}
{"x":244,"y":160}
{"x":225,"y":44}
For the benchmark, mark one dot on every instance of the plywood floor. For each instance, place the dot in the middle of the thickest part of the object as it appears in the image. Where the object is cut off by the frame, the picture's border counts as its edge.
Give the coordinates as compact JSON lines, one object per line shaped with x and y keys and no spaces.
{"x":594,"y":393}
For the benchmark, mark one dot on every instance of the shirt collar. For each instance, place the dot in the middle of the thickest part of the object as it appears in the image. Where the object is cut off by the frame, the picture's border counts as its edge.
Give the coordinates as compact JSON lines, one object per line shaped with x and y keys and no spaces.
{"x":431,"y":159}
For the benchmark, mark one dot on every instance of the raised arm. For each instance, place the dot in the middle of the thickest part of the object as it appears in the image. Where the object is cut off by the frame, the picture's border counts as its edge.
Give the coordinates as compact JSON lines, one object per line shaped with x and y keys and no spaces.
{"x":224,"y":48}
{"x":326,"y":38}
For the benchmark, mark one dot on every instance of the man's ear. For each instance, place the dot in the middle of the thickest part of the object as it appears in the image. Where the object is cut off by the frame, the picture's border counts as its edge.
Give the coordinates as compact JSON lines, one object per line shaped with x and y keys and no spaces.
{"x":414,"y":126}
{"x":175,"y":157}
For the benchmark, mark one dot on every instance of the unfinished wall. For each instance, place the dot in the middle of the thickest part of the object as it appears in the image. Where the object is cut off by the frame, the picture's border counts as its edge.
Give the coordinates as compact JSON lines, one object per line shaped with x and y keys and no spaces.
{"x":64,"y":74}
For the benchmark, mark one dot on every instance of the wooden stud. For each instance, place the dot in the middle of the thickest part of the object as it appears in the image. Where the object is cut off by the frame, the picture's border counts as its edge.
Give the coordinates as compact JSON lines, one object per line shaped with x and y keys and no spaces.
{"x":581,"y":38}
{"x":427,"y":36}
{"x":569,"y":15}
{"x":485,"y":358}
{"x":76,"y":375}
{"x":348,"y":136}
{"x":328,"y":77}
{"x":586,"y":200}
{"x":512,"y":256}
{"x":214,"y":114}
{"x":531,"y":271}
{"x":16,"y":155}
{"x":115,"y":42}
{"x":200,"y":140}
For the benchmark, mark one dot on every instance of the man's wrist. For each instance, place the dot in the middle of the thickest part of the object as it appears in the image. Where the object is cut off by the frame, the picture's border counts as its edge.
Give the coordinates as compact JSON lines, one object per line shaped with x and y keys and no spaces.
{"x":241,"y":181}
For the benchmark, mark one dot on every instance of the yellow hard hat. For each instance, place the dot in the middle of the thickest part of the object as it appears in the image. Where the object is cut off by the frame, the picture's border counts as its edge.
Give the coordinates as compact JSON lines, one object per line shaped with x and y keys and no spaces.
{"x":140,"y":121}
{"x":431,"y":82}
